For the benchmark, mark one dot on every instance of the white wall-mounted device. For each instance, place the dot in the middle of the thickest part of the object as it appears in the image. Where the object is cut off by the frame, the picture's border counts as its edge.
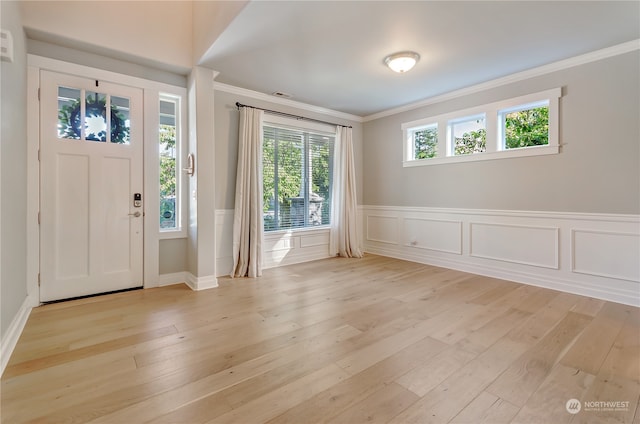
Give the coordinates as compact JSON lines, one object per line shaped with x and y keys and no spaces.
{"x":6,"y":45}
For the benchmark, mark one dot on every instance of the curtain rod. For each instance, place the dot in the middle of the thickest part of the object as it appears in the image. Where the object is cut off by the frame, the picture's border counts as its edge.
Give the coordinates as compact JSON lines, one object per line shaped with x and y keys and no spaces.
{"x":289,"y":115}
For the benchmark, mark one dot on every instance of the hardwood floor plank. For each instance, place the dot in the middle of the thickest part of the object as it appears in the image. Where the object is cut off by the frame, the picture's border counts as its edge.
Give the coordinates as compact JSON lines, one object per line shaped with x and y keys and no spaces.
{"x":544,"y":319}
{"x":447,"y":399}
{"x":548,"y":402}
{"x":379,"y":407}
{"x":524,"y":376}
{"x":481,"y":339}
{"x":365,"y":357}
{"x":588,"y":306}
{"x":618,"y":379}
{"x":324,"y":405}
{"x":424,"y":378}
{"x":202,"y":343}
{"x":51,"y":360}
{"x":588,"y":356}
{"x":167,"y":401}
{"x":486,"y":408}
{"x":339,"y":340}
{"x":274,"y":403}
{"x":197,"y":412}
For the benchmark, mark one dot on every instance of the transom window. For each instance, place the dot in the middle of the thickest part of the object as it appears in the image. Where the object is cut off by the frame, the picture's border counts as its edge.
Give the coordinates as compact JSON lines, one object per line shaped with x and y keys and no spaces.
{"x":521,"y":126}
{"x":425,"y":141}
{"x":524,"y":125}
{"x":297,"y":178}
{"x":468,"y":135}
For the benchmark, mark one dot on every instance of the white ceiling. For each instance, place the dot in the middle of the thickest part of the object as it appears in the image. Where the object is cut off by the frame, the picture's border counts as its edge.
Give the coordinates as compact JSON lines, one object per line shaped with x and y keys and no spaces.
{"x":330,"y":53}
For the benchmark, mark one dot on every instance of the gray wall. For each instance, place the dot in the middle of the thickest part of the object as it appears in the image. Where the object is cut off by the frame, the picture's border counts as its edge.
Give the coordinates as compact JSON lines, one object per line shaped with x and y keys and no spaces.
{"x":13,"y":136}
{"x":173,"y":255}
{"x":597,"y":170}
{"x":226,"y":139}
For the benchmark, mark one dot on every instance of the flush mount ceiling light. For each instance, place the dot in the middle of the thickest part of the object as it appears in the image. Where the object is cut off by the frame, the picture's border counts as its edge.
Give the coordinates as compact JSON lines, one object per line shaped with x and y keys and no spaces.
{"x":401,"y":62}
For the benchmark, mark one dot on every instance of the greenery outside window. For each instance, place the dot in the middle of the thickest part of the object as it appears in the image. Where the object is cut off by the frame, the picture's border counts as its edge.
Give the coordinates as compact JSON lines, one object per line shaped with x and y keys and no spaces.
{"x":297,"y":177}
{"x":468,"y":135}
{"x":169,"y":158}
{"x":425,"y":141}
{"x":524,"y":126}
{"x":521,"y":126}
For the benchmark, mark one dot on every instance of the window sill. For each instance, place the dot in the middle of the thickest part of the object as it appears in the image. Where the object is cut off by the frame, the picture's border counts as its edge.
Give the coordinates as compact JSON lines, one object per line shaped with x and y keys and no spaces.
{"x":504,"y":154}
{"x":172,"y":234}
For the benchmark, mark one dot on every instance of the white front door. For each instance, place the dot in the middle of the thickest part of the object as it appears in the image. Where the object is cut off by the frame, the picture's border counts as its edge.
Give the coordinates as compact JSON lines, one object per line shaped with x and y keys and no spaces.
{"x":91,"y":225}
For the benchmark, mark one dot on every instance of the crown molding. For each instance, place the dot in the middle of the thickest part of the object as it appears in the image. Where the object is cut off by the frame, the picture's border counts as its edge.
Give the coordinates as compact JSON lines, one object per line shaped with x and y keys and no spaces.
{"x":285,"y":102}
{"x":520,"y":76}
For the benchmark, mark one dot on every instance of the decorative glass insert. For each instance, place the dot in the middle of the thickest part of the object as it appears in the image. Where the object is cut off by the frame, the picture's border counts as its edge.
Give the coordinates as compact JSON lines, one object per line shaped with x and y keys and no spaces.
{"x":469,"y":135}
{"x":82,"y":115}
{"x":525,"y":126}
{"x":168,"y":175}
{"x":69,"y":116}
{"x":425,"y":142}
{"x":95,"y":121}
{"x":120,"y":120}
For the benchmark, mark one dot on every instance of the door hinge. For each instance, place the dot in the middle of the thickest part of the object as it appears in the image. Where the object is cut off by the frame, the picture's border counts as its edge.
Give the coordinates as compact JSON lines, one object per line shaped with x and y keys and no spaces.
{"x":38,"y":155}
{"x":38,"y":93}
{"x":38,"y":279}
{"x":38,"y":218}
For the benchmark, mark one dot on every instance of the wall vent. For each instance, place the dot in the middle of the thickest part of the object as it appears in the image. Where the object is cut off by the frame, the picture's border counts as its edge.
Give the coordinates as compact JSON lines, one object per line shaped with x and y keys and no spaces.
{"x":281,"y":94}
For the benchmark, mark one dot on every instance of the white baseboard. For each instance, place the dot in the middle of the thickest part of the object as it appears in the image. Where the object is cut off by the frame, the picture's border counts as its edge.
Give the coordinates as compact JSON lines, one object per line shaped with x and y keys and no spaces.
{"x":619,"y":295}
{"x":592,"y":255}
{"x":193,"y":282}
{"x":14,"y":331}
{"x":201,"y":283}
{"x":173,"y":278}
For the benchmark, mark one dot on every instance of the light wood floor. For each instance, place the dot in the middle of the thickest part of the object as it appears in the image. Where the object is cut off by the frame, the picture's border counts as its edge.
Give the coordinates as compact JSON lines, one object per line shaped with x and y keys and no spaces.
{"x":340,"y":340}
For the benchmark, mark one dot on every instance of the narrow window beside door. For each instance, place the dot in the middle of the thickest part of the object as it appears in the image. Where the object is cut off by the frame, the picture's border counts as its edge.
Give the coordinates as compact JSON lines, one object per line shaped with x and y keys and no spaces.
{"x":169,"y":148}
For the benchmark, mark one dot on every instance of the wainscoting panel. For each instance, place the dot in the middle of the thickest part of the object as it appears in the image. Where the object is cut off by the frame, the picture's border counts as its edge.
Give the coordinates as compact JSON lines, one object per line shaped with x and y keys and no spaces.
{"x":594,"y":255}
{"x":537,"y":246}
{"x":433,"y":234}
{"x":382,"y":229}
{"x":606,"y":254}
{"x":279,"y":248}
{"x":317,"y":239}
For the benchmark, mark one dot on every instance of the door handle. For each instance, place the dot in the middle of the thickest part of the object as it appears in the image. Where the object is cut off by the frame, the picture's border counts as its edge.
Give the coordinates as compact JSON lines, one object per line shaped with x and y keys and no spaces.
{"x":191,"y":165}
{"x":136,"y":214}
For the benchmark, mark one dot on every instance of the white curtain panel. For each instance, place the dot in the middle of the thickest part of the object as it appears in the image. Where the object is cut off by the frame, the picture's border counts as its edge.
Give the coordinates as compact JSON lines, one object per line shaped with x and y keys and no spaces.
{"x":344,"y":238}
{"x":248,"y":229}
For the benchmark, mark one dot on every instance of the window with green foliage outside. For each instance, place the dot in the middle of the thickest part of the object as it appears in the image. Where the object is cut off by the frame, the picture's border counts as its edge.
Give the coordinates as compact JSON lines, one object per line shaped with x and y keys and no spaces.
{"x":469,"y":135}
{"x":425,"y":142}
{"x":297,"y":175}
{"x":526,"y":126}
{"x":169,"y":201}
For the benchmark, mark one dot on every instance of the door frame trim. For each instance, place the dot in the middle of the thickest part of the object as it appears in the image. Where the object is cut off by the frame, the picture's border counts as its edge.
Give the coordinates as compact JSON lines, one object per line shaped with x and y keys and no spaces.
{"x":151,"y":90}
